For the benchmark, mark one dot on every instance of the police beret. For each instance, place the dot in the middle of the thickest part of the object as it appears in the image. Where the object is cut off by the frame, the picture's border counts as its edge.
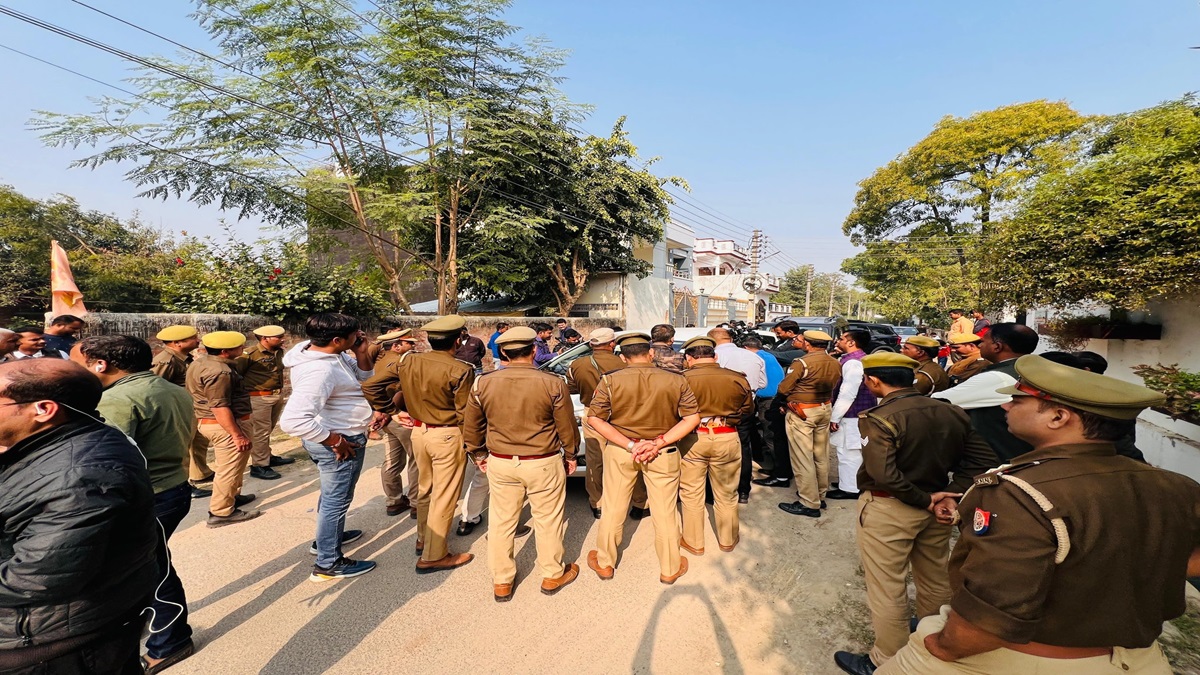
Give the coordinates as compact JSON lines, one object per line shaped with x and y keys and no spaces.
{"x":923,"y":341}
{"x":601,"y":336}
{"x":965,"y":338}
{"x":176,"y":333}
{"x":817,"y":336}
{"x":1082,"y":389}
{"x":393,"y":336}
{"x":888,"y":360}
{"x":446,"y":326}
{"x":269,"y":331}
{"x":633,"y":339}
{"x":517,"y":336}
{"x":223,"y":339}
{"x":699,"y":341}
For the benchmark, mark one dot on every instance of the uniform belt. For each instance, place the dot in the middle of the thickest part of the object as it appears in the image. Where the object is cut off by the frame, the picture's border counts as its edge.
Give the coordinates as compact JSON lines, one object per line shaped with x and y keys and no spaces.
{"x":419,"y":423}
{"x":524,"y":457}
{"x":716,"y":430}
{"x":1055,"y":652}
{"x":806,"y":406}
{"x":212,"y":420}
{"x":263,"y":392}
{"x":882,"y":493}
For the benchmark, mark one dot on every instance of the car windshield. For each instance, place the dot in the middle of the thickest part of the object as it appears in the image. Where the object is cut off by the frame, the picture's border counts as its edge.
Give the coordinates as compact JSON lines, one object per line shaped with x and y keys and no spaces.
{"x":559,"y":364}
{"x":905,"y":330}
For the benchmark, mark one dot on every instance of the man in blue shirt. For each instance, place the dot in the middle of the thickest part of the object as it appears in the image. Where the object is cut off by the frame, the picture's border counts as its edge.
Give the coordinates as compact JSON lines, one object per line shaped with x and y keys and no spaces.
{"x":766,"y":435}
{"x":542,"y":352}
{"x":500,"y":328}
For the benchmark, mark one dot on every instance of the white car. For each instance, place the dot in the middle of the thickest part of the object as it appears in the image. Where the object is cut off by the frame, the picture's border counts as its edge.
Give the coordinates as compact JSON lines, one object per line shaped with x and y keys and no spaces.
{"x":558,"y":366}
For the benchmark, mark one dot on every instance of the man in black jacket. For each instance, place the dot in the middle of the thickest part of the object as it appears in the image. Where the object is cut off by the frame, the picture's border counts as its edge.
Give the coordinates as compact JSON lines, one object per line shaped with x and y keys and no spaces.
{"x":77,"y":532}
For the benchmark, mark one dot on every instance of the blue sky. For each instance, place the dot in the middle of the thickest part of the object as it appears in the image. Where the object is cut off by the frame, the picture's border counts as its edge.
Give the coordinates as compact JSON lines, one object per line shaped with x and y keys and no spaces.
{"x":772,"y":111}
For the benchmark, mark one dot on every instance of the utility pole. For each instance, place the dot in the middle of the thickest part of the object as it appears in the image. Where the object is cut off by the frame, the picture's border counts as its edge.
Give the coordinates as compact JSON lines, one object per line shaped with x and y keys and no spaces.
{"x":756,"y":243}
{"x":849,"y":300}
{"x":808,"y":293}
{"x":833,"y":284}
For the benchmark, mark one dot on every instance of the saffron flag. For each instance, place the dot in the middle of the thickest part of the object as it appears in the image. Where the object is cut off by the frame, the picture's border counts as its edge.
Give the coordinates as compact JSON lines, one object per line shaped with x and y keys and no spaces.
{"x":65,"y":297}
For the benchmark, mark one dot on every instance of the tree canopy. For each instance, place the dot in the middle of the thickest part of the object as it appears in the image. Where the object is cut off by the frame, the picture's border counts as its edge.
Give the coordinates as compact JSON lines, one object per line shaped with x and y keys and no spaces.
{"x":1121,"y":223}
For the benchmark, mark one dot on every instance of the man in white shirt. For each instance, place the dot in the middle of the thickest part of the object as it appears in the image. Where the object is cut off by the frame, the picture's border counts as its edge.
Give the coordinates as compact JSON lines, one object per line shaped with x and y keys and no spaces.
{"x":32,"y":345}
{"x":850,"y":398}
{"x":746,"y":362}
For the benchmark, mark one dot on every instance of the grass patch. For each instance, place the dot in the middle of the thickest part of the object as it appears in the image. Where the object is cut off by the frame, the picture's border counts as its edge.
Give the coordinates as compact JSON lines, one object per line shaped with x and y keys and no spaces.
{"x":1181,"y":641}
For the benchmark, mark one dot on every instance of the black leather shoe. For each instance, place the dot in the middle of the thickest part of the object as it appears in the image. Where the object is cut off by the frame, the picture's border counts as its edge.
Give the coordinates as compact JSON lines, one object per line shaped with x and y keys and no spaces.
{"x":841,"y":494}
{"x":596,"y":512}
{"x":242,"y":500}
{"x":466,"y":527}
{"x":823,"y":504}
{"x":264,"y":473}
{"x":523,"y":530}
{"x":855,"y":664}
{"x":743,"y":497}
{"x":772,"y":482}
{"x":638,"y":514}
{"x":276,"y":460}
{"x":798,"y":509}
{"x":200,"y":493}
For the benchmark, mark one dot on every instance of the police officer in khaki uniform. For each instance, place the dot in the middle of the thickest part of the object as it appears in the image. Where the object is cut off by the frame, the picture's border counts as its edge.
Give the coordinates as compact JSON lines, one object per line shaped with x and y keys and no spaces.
{"x":171,"y":363}
{"x":223,"y":415}
{"x":714,"y":452}
{"x":520,"y":430}
{"x":261,"y":366}
{"x":910,"y":444}
{"x":806,"y":393}
{"x":1072,"y":557}
{"x":399,"y":465}
{"x":585,"y":373}
{"x":929,"y":377}
{"x":433,"y":388}
{"x":968,"y":362}
{"x":642,"y":411}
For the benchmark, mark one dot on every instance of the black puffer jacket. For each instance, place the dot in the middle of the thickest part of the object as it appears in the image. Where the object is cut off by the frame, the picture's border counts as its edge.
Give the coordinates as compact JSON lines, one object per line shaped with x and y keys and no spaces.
{"x":77,"y":534}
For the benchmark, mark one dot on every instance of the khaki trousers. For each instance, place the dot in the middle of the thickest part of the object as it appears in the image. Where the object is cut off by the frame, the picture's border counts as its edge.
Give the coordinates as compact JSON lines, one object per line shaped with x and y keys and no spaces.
{"x":399,"y":465}
{"x":544,"y":481}
{"x":594,"y":476}
{"x":264,"y":415}
{"x":662,"y":492}
{"x":892,"y":535}
{"x":230,"y":469}
{"x":718,"y":458}
{"x":808,"y":443}
{"x":915,"y":659}
{"x":198,"y":469}
{"x":440,"y":464}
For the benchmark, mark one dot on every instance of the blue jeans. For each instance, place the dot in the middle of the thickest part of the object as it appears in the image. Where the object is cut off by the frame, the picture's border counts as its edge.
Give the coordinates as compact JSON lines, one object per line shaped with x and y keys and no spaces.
{"x":169,"y":603}
{"x":337,"y":491}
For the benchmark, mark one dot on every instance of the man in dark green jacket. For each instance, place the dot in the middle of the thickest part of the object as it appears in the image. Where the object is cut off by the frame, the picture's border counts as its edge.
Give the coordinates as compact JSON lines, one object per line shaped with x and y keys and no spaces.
{"x":158,"y":416}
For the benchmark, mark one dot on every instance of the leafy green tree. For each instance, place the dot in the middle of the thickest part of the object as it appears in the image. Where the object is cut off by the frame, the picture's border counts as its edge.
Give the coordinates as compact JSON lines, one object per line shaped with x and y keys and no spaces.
{"x":117,"y":265}
{"x":396,"y":127}
{"x":826,"y":288}
{"x":1121,"y":225}
{"x":927,"y":216}
{"x":273,"y":279}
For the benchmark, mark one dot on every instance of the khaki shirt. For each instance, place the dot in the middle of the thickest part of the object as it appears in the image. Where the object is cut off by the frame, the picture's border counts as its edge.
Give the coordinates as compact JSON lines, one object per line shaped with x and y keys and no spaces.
{"x":171,"y":366}
{"x":911,"y":443}
{"x":961,"y":326}
{"x":965,"y":368}
{"x":811,"y":379}
{"x":667,"y":358}
{"x":1131,"y":529}
{"x":585,"y":372}
{"x":261,"y":369}
{"x":643,"y":401}
{"x":435,"y":387}
{"x":520,"y":411}
{"x":720,"y":392}
{"x":214,"y":382}
{"x":930,"y":378}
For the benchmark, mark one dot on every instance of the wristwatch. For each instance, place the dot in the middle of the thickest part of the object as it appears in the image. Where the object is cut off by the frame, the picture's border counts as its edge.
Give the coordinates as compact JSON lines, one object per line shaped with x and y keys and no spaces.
{"x":630,"y":445}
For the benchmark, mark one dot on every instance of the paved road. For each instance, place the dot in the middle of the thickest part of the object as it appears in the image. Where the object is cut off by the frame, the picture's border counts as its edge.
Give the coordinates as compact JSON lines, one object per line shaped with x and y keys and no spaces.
{"x":781,"y":603}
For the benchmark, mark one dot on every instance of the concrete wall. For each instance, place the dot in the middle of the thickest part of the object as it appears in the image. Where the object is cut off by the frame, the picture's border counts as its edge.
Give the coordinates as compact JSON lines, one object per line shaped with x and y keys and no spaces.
{"x":647,"y":302}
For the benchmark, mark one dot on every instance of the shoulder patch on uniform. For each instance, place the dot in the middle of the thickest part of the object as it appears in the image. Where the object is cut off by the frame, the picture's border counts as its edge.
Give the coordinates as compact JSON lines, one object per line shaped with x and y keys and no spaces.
{"x":882,"y":422}
{"x":987,"y":480}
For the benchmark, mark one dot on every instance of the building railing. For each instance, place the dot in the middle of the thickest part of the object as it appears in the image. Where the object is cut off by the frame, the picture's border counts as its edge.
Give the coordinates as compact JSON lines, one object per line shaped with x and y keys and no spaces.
{"x":597,"y":307}
{"x":681,"y":274}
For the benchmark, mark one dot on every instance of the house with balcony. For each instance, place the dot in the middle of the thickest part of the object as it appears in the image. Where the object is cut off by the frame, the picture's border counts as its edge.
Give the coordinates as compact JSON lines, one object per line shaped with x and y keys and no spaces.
{"x":729,"y":290}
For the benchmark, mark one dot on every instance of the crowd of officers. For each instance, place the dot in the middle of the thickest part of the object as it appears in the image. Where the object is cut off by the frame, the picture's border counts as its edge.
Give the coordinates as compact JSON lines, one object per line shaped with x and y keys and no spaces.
{"x":1045,"y":575}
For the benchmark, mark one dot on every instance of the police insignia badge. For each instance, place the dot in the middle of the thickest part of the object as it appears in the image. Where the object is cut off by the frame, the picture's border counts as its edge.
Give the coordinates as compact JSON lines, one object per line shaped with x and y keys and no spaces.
{"x":982,"y":522}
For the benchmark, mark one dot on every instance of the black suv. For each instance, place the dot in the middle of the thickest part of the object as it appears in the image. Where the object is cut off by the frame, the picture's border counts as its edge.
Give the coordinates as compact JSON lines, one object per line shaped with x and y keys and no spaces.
{"x":883,"y":337}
